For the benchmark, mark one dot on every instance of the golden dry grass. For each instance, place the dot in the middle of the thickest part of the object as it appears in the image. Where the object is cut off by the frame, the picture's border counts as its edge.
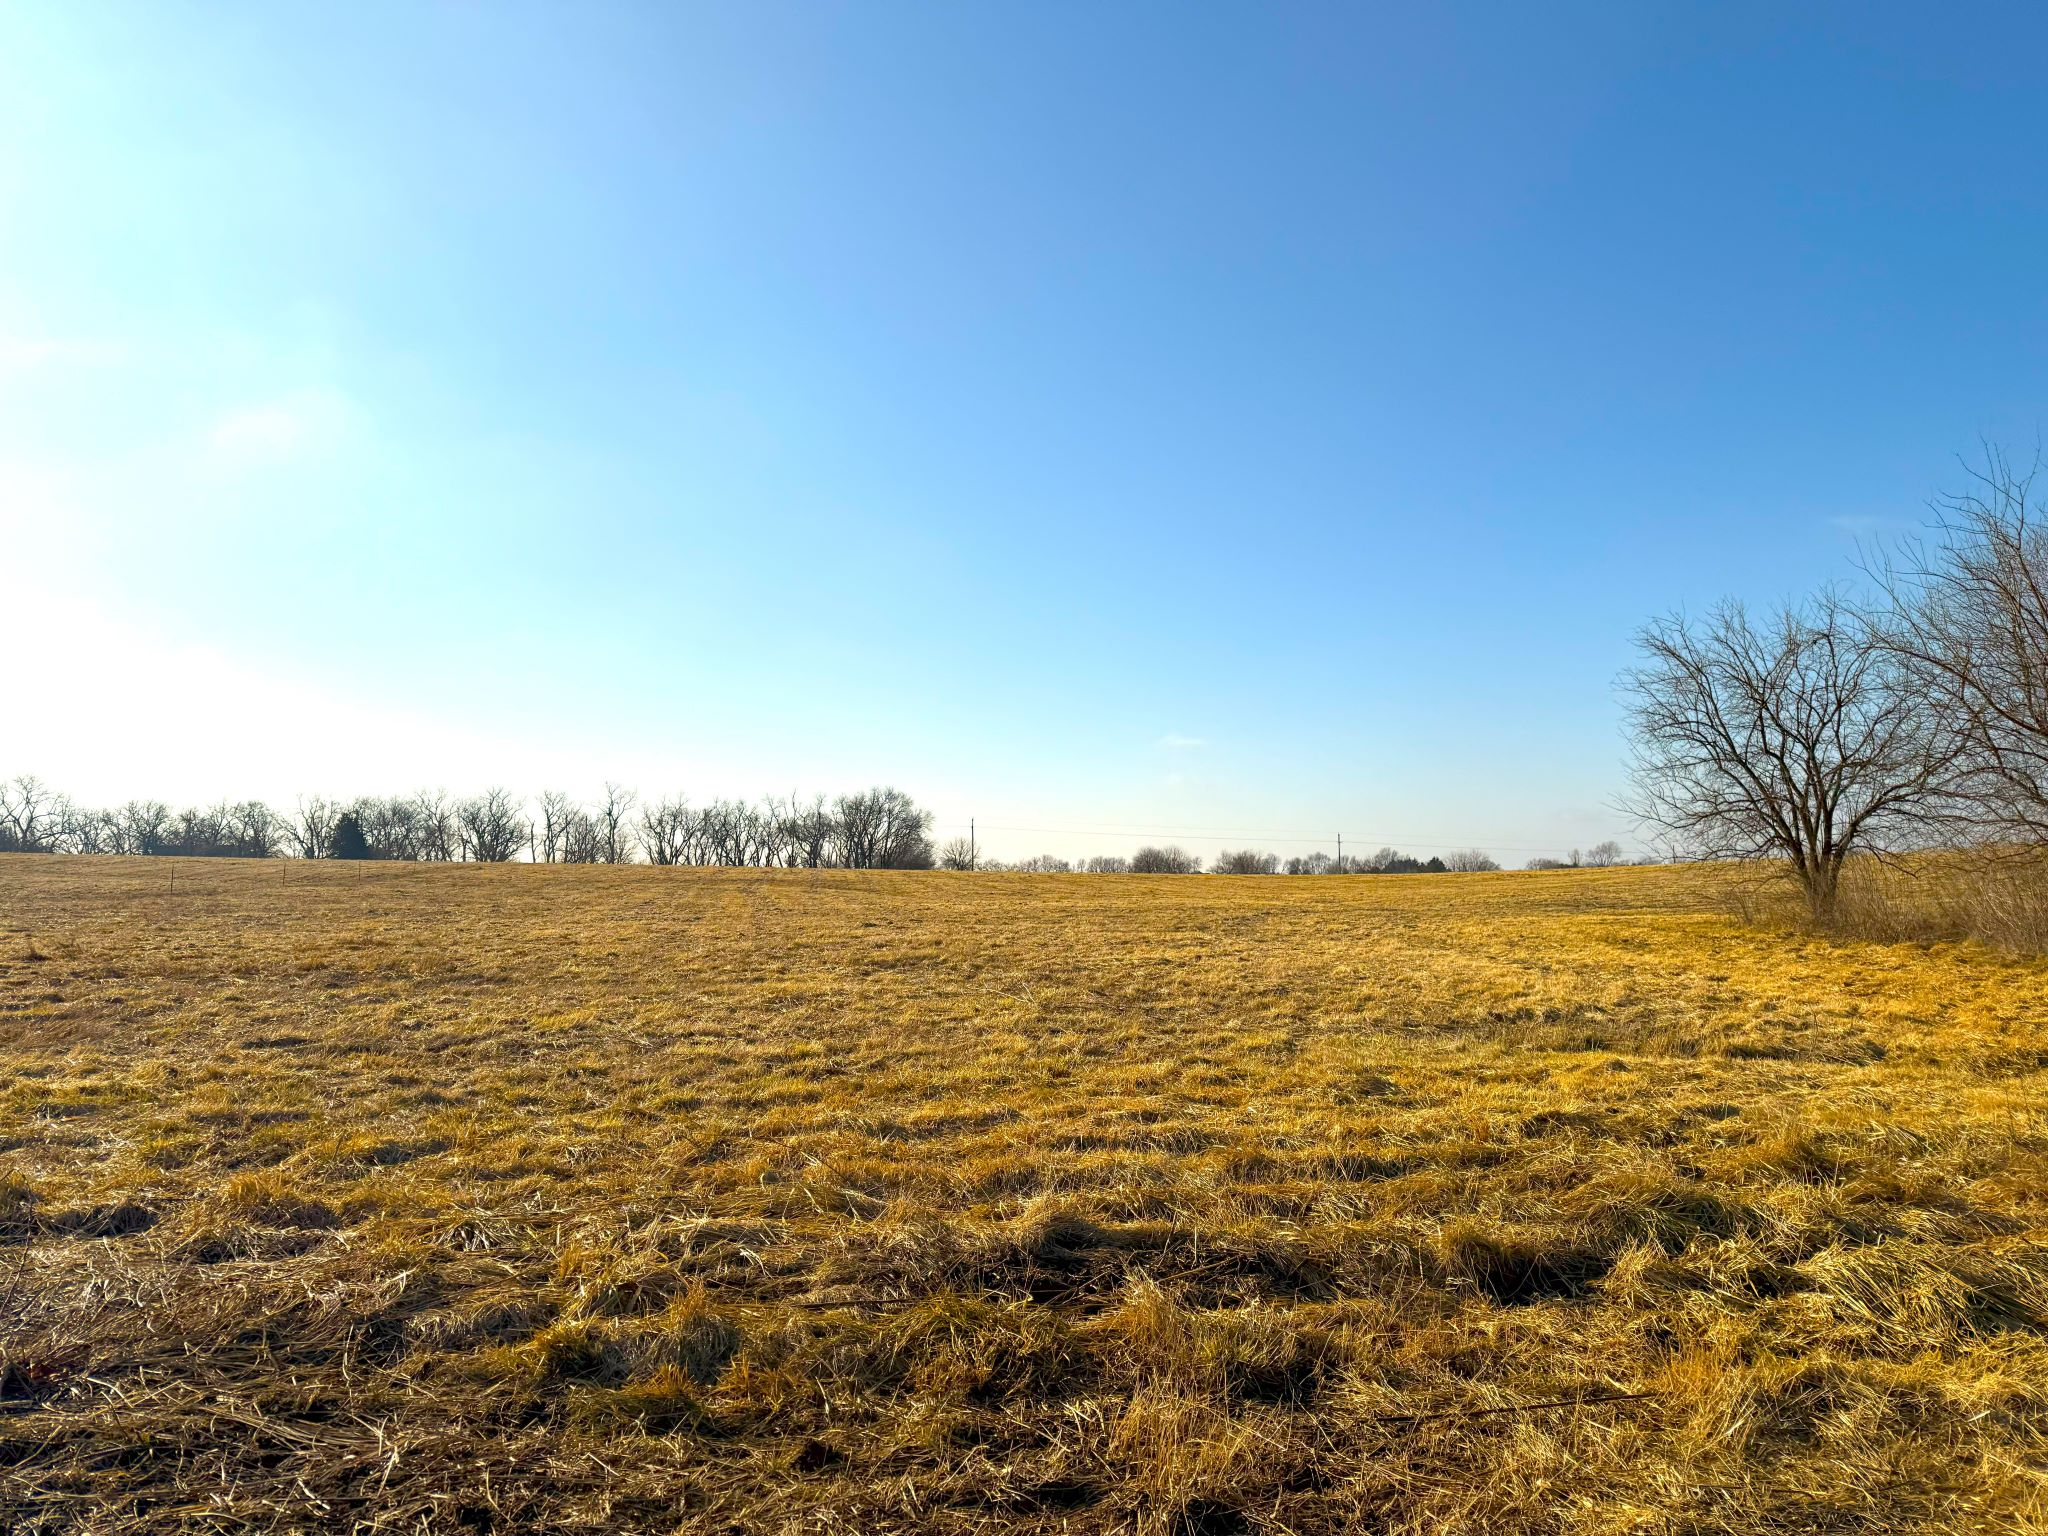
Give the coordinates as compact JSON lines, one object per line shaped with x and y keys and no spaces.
{"x":539,"y":1199}
{"x":1997,"y":897}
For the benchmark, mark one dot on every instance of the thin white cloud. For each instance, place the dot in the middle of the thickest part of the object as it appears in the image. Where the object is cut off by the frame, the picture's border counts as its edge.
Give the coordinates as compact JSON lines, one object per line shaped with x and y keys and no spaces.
{"x":24,"y":354}
{"x":279,"y":431}
{"x":1173,"y":742}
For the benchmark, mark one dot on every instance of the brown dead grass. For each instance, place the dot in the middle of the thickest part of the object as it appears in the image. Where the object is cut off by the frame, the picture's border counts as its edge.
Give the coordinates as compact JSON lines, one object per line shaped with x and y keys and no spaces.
{"x":1996,"y":897}
{"x":539,"y":1199}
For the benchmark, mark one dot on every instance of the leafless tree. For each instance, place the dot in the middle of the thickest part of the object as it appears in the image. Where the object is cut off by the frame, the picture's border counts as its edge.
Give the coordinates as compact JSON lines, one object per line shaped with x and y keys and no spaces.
{"x":569,"y":834}
{"x":85,"y":831}
{"x":144,"y":827}
{"x":1802,"y":739}
{"x":1968,"y":619}
{"x":1470,"y":861}
{"x":1248,"y":861}
{"x":882,"y":828}
{"x":729,"y":833}
{"x":575,"y":835}
{"x":195,"y":832}
{"x":958,"y":853}
{"x":244,"y":830}
{"x":1107,"y":864}
{"x":1165,"y":861}
{"x":258,"y":833}
{"x":667,"y":831}
{"x":862,"y":821}
{"x":557,"y":811}
{"x":434,"y":826}
{"x":810,"y":830}
{"x":1604,"y":855}
{"x":772,"y":846}
{"x":31,"y":816}
{"x":308,"y":832}
{"x":491,"y":827}
{"x":390,"y":825}
{"x":1040,"y":864}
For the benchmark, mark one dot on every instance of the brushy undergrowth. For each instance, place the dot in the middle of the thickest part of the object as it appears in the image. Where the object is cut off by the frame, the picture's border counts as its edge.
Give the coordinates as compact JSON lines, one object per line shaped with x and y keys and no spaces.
{"x":1999,"y":898}
{"x":359,"y":1198}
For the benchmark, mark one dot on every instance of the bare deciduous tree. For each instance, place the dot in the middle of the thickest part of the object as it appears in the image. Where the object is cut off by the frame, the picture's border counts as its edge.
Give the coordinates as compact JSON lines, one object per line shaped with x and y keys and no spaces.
{"x":257,"y":831}
{"x":491,"y":827}
{"x":434,"y":823}
{"x":557,"y":811}
{"x":311,"y":829}
{"x":1470,"y":861}
{"x":809,"y":830}
{"x":388,"y":824}
{"x":1802,"y":739}
{"x":31,"y":816}
{"x":1165,"y":861}
{"x":87,"y":832}
{"x":1968,"y":620}
{"x":958,"y":854}
{"x":667,"y":831}
{"x":567,"y":833}
{"x":1245,"y":861}
{"x":1604,"y":855}
{"x":145,"y":827}
{"x":728,"y":833}
{"x":611,"y":826}
{"x":882,"y":828}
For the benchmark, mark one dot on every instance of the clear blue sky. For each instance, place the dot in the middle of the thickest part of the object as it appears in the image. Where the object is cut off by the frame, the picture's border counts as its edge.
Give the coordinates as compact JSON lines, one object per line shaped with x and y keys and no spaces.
{"x":1213,"y":418}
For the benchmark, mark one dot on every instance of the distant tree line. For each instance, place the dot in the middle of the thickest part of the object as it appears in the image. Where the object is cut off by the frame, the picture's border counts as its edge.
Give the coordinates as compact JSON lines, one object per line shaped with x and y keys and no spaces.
{"x":1172,"y":860}
{"x":1910,"y":717}
{"x":1600,"y":856}
{"x":878,"y":828}
{"x":35,"y":820}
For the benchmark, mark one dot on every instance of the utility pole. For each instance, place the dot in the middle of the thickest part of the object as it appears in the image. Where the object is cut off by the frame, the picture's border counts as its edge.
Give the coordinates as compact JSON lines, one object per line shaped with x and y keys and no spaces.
{"x":970,"y":841}
{"x":1340,"y":855}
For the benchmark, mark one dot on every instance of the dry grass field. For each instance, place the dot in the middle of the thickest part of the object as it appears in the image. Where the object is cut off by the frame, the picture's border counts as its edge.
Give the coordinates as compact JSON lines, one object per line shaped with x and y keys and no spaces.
{"x":514,"y":1199}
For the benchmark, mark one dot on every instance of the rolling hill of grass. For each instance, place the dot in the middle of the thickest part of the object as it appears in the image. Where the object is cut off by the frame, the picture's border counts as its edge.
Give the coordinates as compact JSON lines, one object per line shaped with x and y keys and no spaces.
{"x":544,"y":1199}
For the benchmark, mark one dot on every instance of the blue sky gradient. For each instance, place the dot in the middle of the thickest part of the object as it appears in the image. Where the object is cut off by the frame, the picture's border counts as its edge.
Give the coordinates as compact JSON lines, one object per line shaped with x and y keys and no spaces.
{"x":1221,"y":420}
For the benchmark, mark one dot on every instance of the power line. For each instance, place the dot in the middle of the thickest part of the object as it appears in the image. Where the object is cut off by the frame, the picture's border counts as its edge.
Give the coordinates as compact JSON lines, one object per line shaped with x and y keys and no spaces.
{"x":1145,"y":830}
{"x":1184,"y":835}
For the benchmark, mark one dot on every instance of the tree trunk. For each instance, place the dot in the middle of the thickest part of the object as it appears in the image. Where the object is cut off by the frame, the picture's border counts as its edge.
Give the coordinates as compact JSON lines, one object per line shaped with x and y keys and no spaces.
{"x":1822,"y":883}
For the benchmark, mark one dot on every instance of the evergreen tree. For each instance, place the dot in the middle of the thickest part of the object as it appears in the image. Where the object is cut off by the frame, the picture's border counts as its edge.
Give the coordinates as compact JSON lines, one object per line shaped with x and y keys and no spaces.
{"x":348,"y":841}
